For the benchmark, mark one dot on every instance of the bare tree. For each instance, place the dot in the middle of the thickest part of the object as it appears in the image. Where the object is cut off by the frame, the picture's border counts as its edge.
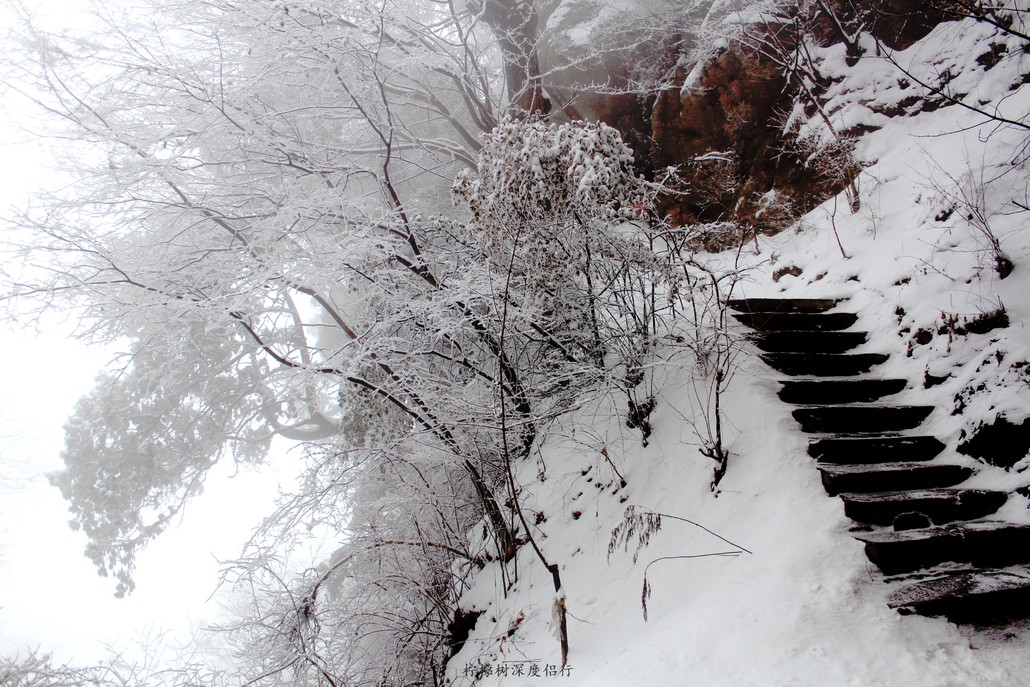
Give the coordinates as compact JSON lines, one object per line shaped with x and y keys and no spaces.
{"x":241,"y":220}
{"x":35,"y":669}
{"x":255,"y":214}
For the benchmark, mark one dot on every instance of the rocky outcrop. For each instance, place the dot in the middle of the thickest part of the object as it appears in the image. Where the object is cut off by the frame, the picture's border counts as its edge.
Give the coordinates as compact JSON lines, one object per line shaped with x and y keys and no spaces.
{"x":726,"y":135}
{"x":725,"y":129}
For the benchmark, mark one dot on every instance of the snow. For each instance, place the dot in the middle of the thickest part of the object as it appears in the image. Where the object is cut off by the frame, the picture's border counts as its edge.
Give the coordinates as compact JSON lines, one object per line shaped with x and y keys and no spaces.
{"x":802,"y":609}
{"x":805,"y":607}
{"x":802,"y":605}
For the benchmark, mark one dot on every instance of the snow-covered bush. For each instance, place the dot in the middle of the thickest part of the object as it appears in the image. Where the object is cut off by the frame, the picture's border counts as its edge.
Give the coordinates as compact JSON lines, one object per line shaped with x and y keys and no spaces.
{"x":530,"y":170}
{"x":551,"y":205}
{"x":548,"y":187}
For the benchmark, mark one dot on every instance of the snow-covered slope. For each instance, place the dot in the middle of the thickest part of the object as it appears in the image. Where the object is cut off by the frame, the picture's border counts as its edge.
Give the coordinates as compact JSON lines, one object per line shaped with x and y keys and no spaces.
{"x":797,"y":602}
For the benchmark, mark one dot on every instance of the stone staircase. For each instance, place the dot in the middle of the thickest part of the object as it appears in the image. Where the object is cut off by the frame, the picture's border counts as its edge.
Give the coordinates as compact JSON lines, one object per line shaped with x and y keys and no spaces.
{"x":929,"y":535}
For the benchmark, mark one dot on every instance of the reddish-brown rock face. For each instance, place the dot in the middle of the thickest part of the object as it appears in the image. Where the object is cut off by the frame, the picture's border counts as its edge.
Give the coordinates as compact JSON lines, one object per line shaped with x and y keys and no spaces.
{"x":733,"y":120}
{"x":735,"y":112}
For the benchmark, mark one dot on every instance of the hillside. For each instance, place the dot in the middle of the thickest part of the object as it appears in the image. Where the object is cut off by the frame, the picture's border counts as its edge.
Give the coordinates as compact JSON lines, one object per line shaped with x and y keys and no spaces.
{"x":805,"y":606}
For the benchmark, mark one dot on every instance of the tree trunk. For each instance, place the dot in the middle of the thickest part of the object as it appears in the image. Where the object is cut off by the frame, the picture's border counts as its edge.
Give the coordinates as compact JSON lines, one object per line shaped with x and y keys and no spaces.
{"x":516,"y":24}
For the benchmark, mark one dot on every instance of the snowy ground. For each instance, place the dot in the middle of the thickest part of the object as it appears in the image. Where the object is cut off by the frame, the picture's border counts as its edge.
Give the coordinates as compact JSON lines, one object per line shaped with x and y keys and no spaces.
{"x":805,"y":607}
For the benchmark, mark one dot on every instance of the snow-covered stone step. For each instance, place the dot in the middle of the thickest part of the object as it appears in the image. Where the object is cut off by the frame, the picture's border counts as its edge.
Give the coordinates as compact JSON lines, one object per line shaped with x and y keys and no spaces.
{"x":865,"y":478}
{"x":911,"y":509}
{"x":787,"y":341}
{"x":808,"y":305}
{"x":880,"y":449}
{"x":980,"y":598}
{"x":811,"y":322}
{"x":832,"y":391}
{"x":860,"y":419}
{"x":823,"y":365}
{"x":984,"y":543}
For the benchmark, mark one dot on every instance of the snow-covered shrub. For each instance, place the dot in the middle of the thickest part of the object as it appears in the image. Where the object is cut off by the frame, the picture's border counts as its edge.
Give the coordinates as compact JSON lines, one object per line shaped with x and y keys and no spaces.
{"x":560,"y":211}
{"x":543,"y":183}
{"x":548,"y":206}
{"x":570,"y":282}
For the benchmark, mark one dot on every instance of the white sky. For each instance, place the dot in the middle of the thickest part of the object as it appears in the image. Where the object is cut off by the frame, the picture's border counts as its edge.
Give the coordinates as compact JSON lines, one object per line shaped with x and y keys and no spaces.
{"x":50,"y":595}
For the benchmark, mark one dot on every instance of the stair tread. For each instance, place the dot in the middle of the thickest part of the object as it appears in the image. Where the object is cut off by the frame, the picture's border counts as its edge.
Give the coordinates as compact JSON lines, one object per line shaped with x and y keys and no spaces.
{"x":845,"y":381}
{"x":960,"y":596}
{"x":818,"y":333}
{"x":879,"y":477}
{"x":859,"y":407}
{"x":936,"y":494}
{"x":797,"y":321}
{"x":823,"y":365}
{"x":838,"y":390}
{"x":810,"y":305}
{"x":836,"y":450}
{"x":802,"y":341}
{"x":921,"y":507}
{"x":822,"y":356}
{"x":980,"y":543}
{"x":960,"y":529}
{"x":891,"y":439}
{"x":860,"y":419}
{"x":894,"y":466}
